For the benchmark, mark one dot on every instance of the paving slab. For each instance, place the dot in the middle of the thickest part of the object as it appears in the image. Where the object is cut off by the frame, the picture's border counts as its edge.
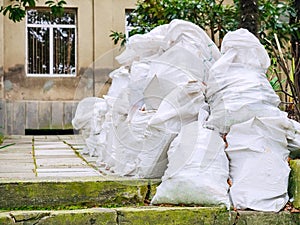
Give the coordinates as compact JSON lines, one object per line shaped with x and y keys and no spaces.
{"x":52,"y":162}
{"x":16,"y":167}
{"x":18,"y":175}
{"x":15,"y":147}
{"x":56,"y":152}
{"x":13,"y":156}
{"x":43,"y":156}
{"x":81,"y":172}
{"x":50,"y":146}
{"x":45,"y":137}
{"x":18,"y":139}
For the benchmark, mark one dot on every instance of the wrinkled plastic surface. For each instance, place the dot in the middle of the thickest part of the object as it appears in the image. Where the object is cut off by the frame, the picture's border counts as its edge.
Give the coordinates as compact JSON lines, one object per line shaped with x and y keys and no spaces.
{"x":198,"y":169}
{"x":237,"y":87}
{"x":257,"y":150}
{"x":180,"y":107}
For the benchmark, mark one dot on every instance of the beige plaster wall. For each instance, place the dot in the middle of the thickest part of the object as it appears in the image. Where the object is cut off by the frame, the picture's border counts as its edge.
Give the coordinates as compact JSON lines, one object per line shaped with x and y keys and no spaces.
{"x":1,"y":55}
{"x":96,"y":19}
{"x":1,"y":37}
{"x":109,"y":16}
{"x":14,"y":35}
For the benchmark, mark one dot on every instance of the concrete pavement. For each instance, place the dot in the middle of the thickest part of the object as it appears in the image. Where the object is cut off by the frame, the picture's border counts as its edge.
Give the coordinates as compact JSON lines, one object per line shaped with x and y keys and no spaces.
{"x":44,"y":156}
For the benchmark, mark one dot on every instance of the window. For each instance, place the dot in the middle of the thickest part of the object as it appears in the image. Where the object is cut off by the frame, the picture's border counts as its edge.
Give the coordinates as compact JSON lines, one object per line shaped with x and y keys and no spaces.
{"x":51,"y":43}
{"x":128,"y":27}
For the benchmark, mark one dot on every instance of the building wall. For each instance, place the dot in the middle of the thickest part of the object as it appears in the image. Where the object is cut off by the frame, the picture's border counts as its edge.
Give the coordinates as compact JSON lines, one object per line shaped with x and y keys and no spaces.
{"x":47,"y":103}
{"x":1,"y":75}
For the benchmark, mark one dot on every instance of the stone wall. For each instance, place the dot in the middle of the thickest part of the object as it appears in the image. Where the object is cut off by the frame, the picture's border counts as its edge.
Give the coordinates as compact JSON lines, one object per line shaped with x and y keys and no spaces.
{"x":17,"y":116}
{"x":43,"y":102}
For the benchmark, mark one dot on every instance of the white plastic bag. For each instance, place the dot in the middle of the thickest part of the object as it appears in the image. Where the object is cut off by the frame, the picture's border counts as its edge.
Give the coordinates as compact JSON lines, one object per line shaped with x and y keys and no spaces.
{"x":88,"y":118}
{"x":192,"y":38}
{"x":97,"y":120}
{"x":198,"y":169}
{"x":120,"y":80}
{"x":128,"y":138}
{"x":180,"y":107}
{"x":117,"y":112}
{"x":237,"y":87}
{"x":84,"y":113}
{"x":142,"y":46}
{"x":257,"y":150}
{"x":152,"y":160}
{"x":156,"y":91}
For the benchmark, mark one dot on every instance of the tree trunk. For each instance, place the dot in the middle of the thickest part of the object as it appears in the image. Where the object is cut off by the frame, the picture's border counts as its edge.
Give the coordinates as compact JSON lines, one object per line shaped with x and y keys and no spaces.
{"x":249,"y":15}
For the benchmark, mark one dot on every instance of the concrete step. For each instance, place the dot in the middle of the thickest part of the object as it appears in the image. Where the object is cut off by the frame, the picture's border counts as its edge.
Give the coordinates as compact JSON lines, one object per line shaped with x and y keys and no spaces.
{"x":294,"y":182}
{"x":149,"y":216}
{"x":83,"y":192}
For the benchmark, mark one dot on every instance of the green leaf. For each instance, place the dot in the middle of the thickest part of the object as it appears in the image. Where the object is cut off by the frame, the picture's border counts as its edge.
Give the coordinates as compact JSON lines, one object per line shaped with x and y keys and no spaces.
{"x":49,"y":3}
{"x":31,"y":3}
{"x":61,"y":3}
{"x":7,"y":9}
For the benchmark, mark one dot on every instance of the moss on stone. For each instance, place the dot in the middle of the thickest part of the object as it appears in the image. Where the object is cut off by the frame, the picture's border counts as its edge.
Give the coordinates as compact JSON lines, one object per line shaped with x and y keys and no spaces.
{"x":174,"y":215}
{"x":73,"y":217}
{"x":105,"y":193}
{"x":259,"y":218}
{"x":1,"y":138}
{"x":202,"y":215}
{"x":149,"y":215}
{"x":89,"y":216}
{"x":294,"y":182}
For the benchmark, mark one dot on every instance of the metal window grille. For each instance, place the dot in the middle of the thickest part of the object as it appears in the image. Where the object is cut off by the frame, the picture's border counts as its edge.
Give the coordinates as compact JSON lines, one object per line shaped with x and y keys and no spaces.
{"x":51,"y":43}
{"x":128,"y":27}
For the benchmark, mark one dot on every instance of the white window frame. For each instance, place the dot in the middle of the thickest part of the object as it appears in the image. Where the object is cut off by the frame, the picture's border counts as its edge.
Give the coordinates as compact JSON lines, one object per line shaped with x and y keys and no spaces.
{"x":127,"y":27}
{"x":51,"y":27}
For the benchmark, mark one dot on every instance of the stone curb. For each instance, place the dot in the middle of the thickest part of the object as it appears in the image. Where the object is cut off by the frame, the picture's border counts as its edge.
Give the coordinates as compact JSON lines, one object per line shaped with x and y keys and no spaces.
{"x":149,"y":216}
{"x":63,"y":217}
{"x":294,"y":182}
{"x":37,"y":194}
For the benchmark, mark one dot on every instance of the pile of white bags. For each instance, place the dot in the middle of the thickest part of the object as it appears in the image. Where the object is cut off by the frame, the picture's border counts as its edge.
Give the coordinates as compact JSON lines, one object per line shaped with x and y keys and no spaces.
{"x":244,"y":105}
{"x":157,"y":90}
{"x":171,"y":102}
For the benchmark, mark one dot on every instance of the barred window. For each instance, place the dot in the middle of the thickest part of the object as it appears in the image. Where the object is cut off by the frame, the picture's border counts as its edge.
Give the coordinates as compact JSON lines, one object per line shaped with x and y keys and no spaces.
{"x":128,"y":27}
{"x":51,"y":43}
